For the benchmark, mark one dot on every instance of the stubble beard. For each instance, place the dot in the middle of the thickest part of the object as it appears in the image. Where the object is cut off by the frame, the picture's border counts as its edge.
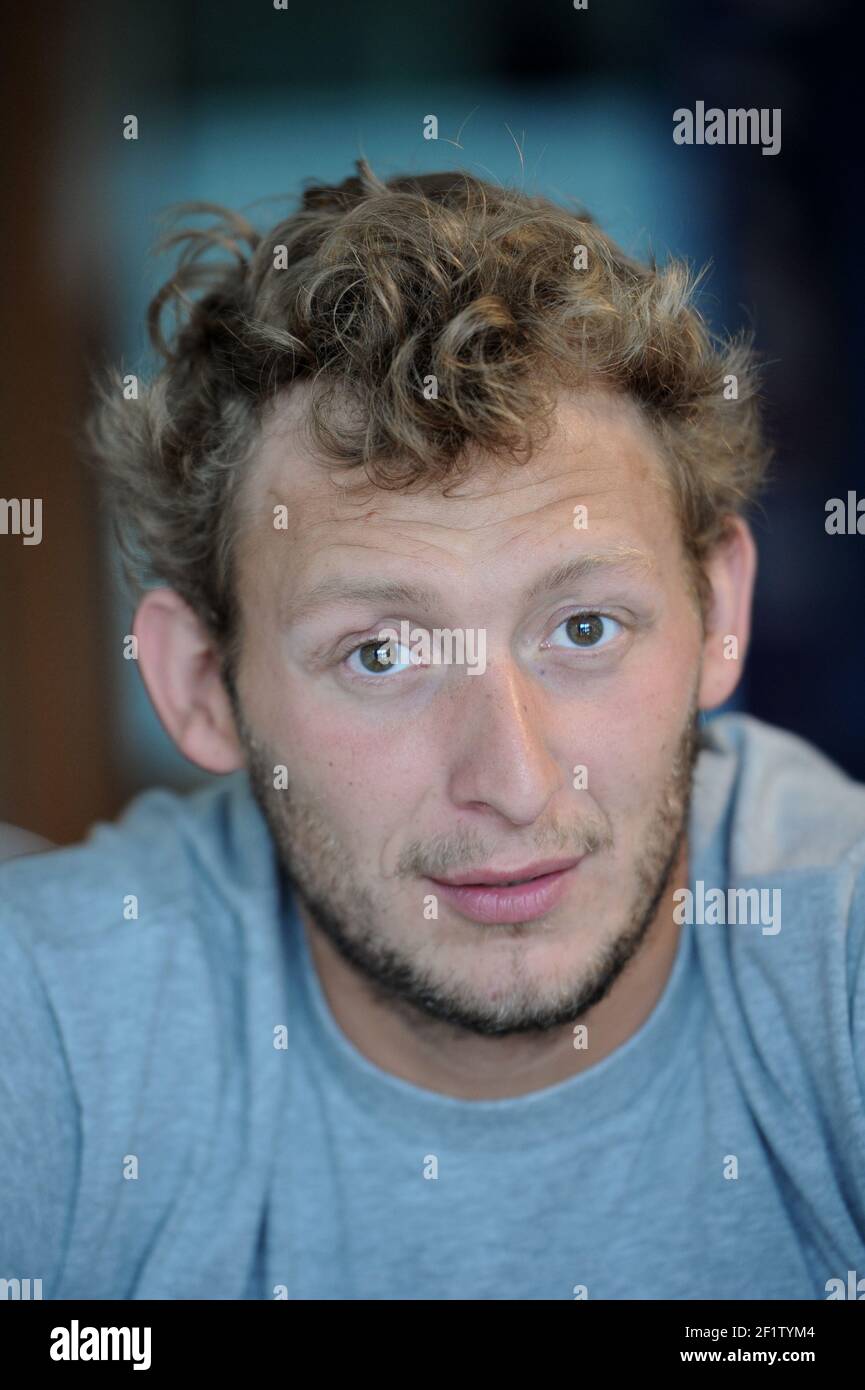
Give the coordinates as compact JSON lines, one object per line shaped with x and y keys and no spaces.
{"x":321,"y":871}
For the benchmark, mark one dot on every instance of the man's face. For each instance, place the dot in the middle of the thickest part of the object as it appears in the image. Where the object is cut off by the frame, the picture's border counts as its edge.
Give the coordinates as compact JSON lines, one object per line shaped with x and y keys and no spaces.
{"x":571,"y":744}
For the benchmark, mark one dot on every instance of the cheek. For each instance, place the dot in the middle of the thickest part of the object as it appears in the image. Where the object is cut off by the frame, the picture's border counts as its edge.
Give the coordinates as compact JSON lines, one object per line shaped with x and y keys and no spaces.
{"x":362,"y":775}
{"x":661,"y":683}
{"x":629,"y":736}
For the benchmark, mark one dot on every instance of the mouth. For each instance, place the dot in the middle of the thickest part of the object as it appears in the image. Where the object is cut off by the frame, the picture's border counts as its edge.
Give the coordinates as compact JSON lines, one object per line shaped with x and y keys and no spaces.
{"x":505,"y":896}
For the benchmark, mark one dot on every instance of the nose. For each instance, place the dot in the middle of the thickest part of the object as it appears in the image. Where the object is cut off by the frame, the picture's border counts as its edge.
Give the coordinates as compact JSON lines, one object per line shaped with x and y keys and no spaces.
{"x":498,"y":746}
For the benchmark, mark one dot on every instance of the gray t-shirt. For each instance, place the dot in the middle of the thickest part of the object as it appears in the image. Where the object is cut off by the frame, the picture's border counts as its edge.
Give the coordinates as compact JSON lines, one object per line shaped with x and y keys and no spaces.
{"x":156,"y":1143}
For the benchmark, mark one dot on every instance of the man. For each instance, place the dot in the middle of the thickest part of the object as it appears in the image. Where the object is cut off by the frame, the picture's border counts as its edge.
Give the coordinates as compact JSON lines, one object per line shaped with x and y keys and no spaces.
{"x":491,"y":970}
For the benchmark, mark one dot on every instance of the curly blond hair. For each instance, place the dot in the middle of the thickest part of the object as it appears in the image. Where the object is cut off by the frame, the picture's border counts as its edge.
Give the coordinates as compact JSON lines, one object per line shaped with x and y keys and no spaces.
{"x":370,"y":289}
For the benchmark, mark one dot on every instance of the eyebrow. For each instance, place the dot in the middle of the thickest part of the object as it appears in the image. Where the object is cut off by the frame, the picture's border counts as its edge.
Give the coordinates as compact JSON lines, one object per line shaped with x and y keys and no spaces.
{"x":336,"y":589}
{"x":622,"y":557}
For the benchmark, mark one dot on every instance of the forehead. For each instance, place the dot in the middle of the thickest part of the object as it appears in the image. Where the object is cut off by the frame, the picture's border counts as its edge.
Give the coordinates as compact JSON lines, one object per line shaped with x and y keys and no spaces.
{"x":600,"y":455}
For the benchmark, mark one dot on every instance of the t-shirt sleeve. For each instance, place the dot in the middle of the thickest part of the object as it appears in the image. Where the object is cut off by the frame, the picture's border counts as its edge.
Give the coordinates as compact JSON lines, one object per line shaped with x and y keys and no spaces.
{"x":856,"y":977}
{"x":39,"y":1123}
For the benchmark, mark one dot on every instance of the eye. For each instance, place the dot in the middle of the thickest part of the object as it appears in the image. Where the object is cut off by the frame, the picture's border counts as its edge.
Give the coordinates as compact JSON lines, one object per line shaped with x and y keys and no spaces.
{"x":379,"y":658}
{"x":588,"y":631}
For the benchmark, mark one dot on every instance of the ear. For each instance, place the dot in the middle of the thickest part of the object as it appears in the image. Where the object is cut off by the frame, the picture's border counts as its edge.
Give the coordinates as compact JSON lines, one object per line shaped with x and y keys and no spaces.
{"x":731,"y":569}
{"x":180,"y":667}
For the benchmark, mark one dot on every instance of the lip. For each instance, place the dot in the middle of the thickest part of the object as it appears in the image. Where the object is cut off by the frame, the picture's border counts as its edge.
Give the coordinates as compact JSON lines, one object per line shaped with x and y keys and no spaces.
{"x":498,"y":877}
{"x":484,"y":898}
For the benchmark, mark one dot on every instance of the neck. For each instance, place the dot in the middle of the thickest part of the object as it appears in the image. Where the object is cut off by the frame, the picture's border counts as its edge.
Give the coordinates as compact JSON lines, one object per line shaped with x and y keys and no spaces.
{"x":433,"y":1056}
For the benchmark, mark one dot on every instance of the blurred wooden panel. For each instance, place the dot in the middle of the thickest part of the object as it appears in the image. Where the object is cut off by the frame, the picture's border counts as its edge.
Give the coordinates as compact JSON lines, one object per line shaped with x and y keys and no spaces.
{"x":55,"y":765}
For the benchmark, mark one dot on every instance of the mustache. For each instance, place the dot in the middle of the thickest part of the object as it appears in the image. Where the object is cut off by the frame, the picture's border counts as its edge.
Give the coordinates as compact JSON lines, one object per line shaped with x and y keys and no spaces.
{"x":466,"y":849}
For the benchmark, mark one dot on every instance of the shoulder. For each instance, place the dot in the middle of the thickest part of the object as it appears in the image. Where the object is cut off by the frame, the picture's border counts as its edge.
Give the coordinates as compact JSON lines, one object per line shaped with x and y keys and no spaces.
{"x":783,"y":817}
{"x":775,"y":818}
{"x":150,"y":834}
{"x":158,"y":845}
{"x":148,"y":903}
{"x":123,"y":963}
{"x":787,"y":805}
{"x":772,"y":811}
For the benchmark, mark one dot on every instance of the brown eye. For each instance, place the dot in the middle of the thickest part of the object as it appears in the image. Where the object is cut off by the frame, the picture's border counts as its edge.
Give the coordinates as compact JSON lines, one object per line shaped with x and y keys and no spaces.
{"x":585,"y":629}
{"x":376,"y":657}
